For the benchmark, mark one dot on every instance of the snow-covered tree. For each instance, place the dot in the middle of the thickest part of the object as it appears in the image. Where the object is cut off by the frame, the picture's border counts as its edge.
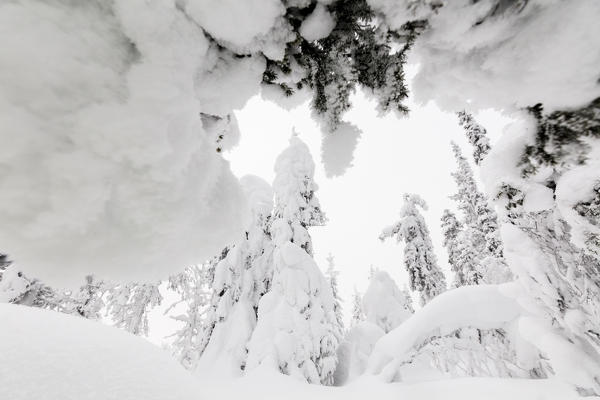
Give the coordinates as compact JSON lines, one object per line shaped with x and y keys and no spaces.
{"x":129,"y":304}
{"x":296,"y":328}
{"x":476,"y":135}
{"x":425,"y":276}
{"x":358,"y":315}
{"x":384,"y":304}
{"x":481,"y":234}
{"x":86,"y":302}
{"x":332,"y":277}
{"x":241,"y":277}
{"x":192,"y":285}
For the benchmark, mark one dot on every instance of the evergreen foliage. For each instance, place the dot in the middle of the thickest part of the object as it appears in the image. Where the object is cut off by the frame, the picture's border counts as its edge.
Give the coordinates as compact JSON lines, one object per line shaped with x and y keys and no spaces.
{"x":425,"y":276}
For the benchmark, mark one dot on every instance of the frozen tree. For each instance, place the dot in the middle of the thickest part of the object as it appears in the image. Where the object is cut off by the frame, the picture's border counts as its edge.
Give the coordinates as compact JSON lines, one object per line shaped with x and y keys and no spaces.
{"x":241,"y":277}
{"x":296,"y":331}
{"x":295,"y":199}
{"x":476,"y":135}
{"x":425,"y":276}
{"x":86,"y":302}
{"x":332,"y":277}
{"x":129,"y":304}
{"x":481,"y":236}
{"x":358,"y":314}
{"x":192,"y":285}
{"x":384,"y":304}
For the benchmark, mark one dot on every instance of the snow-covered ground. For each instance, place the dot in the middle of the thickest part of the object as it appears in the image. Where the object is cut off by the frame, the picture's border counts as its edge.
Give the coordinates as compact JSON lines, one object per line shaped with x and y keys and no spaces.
{"x":51,"y":356}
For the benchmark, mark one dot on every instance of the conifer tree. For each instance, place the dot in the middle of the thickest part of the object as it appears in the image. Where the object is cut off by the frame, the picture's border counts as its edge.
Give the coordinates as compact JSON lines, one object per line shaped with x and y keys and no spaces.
{"x":425,"y":276}
{"x":482,"y":235}
{"x":476,"y":135}
{"x":331,"y":274}
{"x":358,"y":314}
{"x":242,"y":276}
{"x":296,"y":328}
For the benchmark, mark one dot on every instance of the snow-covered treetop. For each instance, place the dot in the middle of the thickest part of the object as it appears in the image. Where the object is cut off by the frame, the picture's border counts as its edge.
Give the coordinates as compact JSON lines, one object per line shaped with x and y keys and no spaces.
{"x":384,"y":304}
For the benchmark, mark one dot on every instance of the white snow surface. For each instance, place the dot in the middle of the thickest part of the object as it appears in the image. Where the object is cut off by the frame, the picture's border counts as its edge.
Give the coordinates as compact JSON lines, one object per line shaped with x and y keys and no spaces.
{"x":75,"y":359}
{"x":47,"y":355}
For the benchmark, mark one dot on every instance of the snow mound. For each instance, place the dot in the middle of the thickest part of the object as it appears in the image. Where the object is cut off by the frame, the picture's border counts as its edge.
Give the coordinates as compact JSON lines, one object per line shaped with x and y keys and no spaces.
{"x":73,"y":358}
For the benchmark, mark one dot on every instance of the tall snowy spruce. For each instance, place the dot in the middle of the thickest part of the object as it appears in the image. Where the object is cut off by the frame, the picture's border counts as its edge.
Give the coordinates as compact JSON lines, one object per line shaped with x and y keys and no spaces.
{"x":482,"y":248}
{"x":425,"y":276}
{"x":476,"y":135}
{"x":296,"y":332}
{"x":332,"y":277}
{"x":241,"y":277}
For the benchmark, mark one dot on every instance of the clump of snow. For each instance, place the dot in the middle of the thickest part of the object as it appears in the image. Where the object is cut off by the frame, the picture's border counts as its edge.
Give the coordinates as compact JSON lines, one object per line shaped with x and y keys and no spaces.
{"x":502,"y":54}
{"x":234,"y":22}
{"x":337,"y":149}
{"x":487,"y":308}
{"x":229,"y":82}
{"x":109,"y":169}
{"x":74,"y":358}
{"x":318,"y":24}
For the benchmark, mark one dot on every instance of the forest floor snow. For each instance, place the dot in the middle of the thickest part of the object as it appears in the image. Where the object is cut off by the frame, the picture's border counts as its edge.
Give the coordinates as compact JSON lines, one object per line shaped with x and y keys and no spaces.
{"x":48,"y":355}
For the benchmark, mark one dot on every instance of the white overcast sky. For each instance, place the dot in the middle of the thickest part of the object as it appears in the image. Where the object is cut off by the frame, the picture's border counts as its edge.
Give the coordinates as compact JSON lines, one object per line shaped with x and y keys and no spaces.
{"x":393,"y":156}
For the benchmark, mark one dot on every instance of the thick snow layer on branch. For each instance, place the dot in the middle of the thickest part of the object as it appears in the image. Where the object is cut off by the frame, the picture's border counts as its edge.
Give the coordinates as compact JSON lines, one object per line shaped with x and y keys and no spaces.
{"x":106,"y":167}
{"x":74,"y":358}
{"x":503,"y":54}
{"x":480,"y":306}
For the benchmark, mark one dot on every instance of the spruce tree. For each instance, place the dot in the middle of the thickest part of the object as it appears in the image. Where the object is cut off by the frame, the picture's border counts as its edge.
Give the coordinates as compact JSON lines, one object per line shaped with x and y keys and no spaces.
{"x":358,"y":314}
{"x":296,"y":327}
{"x":332,"y":275}
{"x":482,"y":235}
{"x":241,"y":277}
{"x":425,"y":276}
{"x":476,"y":135}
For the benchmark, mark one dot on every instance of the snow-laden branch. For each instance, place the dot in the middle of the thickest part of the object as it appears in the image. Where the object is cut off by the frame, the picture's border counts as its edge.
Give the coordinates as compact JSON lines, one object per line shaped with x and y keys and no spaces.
{"x":483,"y":307}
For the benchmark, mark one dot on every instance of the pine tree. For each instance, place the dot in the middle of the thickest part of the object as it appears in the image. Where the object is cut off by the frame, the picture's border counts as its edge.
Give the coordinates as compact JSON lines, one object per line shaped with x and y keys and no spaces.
{"x":358,"y":314}
{"x":424,"y":274}
{"x":463,"y":255}
{"x":476,"y":135}
{"x":296,"y":327}
{"x":481,"y":237}
{"x":331,"y":274}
